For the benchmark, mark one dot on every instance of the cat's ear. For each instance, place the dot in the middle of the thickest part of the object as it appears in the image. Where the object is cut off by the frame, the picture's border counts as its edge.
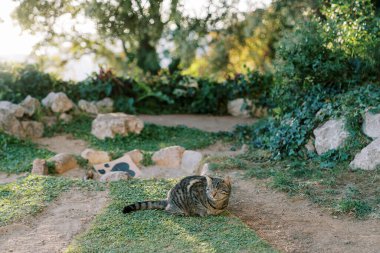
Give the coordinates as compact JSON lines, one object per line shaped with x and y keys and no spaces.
{"x":227,"y":180}
{"x":209,"y":180}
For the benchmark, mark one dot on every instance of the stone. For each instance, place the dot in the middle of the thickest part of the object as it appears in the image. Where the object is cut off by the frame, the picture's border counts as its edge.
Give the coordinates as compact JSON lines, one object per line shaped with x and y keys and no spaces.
{"x":89,"y":107}
{"x":310,"y":145}
{"x":240,"y":107}
{"x":136,"y":155}
{"x":63,"y":162}
{"x":330,"y":135}
{"x":191,"y":161}
{"x":16,"y":110}
{"x":110,"y":124}
{"x":169,"y":157}
{"x":31,"y":105}
{"x":96,"y":157}
{"x":33,"y":129}
{"x":40,"y":167}
{"x":10,"y":124}
{"x":371,"y":125}
{"x":114,"y":176}
{"x":368,"y":158}
{"x":66,"y":118}
{"x":123,"y":163}
{"x":58,"y":102}
{"x":105,"y":105}
{"x":49,"y":120}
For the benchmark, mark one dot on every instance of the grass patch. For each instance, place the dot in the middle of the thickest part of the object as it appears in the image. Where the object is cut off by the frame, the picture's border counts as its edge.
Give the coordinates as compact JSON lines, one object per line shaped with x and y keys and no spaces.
{"x":343,"y":191}
{"x":29,"y":195}
{"x":156,"y":231}
{"x":17,"y":155}
{"x":152,"y":138}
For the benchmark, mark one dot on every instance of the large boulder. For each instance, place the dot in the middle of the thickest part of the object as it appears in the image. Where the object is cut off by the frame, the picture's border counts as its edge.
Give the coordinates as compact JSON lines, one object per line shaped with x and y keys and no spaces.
{"x":31,"y":105}
{"x":169,"y":157}
{"x":108,"y":125}
{"x":371,"y":125}
{"x":63,"y":162}
{"x":330,"y":135}
{"x":58,"y":102}
{"x":240,"y":107}
{"x":33,"y":129}
{"x":95,"y":156}
{"x":368,"y":158}
{"x":105,"y":105}
{"x":89,"y":107}
{"x":10,"y":124}
{"x":191,"y":161}
{"x":16,"y":110}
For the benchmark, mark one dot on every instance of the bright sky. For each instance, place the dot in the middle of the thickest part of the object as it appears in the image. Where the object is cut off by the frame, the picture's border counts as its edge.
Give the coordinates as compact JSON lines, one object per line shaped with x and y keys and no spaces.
{"x":17,"y":45}
{"x":13,"y":42}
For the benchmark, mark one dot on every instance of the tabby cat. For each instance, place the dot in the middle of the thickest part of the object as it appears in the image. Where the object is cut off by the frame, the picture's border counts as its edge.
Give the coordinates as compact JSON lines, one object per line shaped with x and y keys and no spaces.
{"x":192,"y":196}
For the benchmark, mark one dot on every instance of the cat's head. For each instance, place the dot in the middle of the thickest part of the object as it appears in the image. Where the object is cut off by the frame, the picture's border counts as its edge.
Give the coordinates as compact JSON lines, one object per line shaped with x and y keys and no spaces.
{"x":218,"y":189}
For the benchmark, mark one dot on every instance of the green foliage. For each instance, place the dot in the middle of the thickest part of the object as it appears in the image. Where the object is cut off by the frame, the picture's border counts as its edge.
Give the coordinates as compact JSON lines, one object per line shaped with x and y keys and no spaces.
{"x":152,"y":138}
{"x":17,"y":155}
{"x":29,"y":195}
{"x":114,"y":231}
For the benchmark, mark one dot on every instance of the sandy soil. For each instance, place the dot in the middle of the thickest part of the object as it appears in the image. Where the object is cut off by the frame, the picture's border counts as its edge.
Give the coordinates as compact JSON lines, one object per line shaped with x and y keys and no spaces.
{"x":62,"y":144}
{"x":296,"y":225}
{"x":53,"y":229}
{"x":8,"y":178}
{"x":203,"y":122}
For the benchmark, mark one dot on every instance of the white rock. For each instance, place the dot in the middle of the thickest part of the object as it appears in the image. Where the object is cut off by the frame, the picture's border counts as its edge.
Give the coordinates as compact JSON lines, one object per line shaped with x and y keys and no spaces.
{"x":371,"y":125}
{"x":240,"y":107}
{"x":16,"y":110}
{"x":96,"y":157}
{"x":33,"y":129}
{"x":368,"y":158}
{"x":114,"y":176}
{"x":331,"y":135}
{"x":108,"y":125}
{"x":136,"y":156}
{"x":58,"y":102}
{"x":169,"y":157}
{"x":89,"y":107}
{"x":10,"y":124}
{"x":105,"y":105}
{"x":31,"y":105}
{"x":63,"y":162}
{"x":191,"y":161}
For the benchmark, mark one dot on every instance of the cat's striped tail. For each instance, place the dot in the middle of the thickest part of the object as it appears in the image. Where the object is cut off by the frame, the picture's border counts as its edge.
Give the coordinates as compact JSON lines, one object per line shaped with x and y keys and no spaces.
{"x":146,"y":205}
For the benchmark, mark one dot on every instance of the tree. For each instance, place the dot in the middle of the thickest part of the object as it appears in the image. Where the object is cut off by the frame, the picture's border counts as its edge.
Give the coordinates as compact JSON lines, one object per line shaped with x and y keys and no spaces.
{"x":127,"y":32}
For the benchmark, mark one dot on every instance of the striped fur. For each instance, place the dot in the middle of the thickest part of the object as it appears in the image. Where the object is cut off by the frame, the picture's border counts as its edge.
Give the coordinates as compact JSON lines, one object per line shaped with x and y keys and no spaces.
{"x":192,"y":196}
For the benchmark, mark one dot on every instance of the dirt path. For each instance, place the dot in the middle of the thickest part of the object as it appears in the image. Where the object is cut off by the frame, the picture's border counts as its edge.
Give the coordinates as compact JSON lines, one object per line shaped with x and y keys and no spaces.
{"x":296,"y":225}
{"x":53,"y":230}
{"x":8,"y":178}
{"x":203,"y":122}
{"x":62,"y":144}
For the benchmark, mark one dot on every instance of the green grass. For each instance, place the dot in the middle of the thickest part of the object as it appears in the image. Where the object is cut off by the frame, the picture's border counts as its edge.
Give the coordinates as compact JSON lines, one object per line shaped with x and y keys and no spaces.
{"x":156,"y":231}
{"x":29,"y":195}
{"x":152,"y":138}
{"x":343,"y":191}
{"x":17,"y":155}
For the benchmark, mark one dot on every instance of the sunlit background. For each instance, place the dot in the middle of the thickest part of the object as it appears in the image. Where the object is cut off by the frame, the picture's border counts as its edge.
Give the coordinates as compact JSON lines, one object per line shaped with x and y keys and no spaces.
{"x":17,"y":45}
